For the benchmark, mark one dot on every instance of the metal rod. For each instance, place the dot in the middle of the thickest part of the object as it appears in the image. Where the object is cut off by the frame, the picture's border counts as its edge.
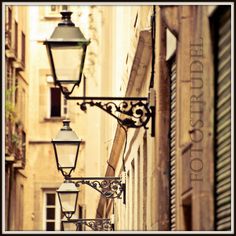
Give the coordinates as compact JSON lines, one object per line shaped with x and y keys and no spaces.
{"x":109,"y":98}
{"x":93,"y":178}
{"x":79,"y":220}
{"x":96,"y":219}
{"x":84,"y":88}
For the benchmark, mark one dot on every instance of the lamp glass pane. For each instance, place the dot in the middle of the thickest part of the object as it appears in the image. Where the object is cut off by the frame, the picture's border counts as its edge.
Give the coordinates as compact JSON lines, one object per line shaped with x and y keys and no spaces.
{"x":69,"y":226}
{"x":66,"y":155}
{"x":68,"y":201}
{"x":67,"y":62}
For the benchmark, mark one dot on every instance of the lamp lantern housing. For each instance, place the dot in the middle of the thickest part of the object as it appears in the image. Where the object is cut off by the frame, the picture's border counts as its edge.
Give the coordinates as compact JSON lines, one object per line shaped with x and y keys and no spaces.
{"x":66,"y":51}
{"x":68,"y":197}
{"x":66,"y":147}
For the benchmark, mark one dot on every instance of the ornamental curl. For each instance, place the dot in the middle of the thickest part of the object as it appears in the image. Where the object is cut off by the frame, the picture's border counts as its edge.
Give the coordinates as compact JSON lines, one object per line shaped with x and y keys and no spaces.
{"x":96,"y":224}
{"x":109,"y":188}
{"x":128,"y":113}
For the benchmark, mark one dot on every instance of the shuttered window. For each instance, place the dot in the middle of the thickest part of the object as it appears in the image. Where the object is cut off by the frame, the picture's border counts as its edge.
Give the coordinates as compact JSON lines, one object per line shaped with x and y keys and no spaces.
{"x":172,"y":145}
{"x":223,"y":121}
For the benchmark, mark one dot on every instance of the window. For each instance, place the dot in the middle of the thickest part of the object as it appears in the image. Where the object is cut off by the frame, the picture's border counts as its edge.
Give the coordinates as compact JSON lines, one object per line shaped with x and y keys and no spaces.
{"x":16,"y":90}
{"x":23,"y":48}
{"x":58,"y":106}
{"x":8,"y":26}
{"x":16,"y":38}
{"x":9,"y":21}
{"x":52,"y":212}
{"x":64,"y":7}
{"x":23,"y":105}
{"x":23,"y":147}
{"x":9,"y":75}
{"x":55,"y":102}
{"x":54,"y":10}
{"x":21,"y":207}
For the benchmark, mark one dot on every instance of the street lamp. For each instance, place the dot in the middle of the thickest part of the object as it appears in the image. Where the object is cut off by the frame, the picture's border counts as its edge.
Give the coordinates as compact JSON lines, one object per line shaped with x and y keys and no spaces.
{"x":66,"y":147}
{"x":66,"y":51}
{"x":68,"y":196}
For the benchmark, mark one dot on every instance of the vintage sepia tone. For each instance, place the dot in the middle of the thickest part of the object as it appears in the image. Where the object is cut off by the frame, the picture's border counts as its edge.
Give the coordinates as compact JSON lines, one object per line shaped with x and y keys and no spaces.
{"x":174,"y":171}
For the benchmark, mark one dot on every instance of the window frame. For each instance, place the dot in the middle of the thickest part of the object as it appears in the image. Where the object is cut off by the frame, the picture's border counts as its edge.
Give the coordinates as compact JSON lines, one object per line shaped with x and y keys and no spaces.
{"x":54,"y":14}
{"x":63,"y":107}
{"x":58,"y":215}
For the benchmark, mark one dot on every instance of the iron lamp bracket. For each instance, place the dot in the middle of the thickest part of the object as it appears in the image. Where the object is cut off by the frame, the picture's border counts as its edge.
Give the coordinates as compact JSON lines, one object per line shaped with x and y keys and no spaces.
{"x":132,"y":112}
{"x":110,"y":187}
{"x":98,"y":224}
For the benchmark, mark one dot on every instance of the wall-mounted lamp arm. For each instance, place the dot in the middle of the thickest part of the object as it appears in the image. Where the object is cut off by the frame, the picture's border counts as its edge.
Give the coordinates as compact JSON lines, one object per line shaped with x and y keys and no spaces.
{"x":132,"y":112}
{"x":110,"y":187}
{"x":98,"y":224}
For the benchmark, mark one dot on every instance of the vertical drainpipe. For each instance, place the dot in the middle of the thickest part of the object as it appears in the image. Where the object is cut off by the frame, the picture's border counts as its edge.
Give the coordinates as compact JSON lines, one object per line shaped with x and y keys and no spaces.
{"x":161,"y":154}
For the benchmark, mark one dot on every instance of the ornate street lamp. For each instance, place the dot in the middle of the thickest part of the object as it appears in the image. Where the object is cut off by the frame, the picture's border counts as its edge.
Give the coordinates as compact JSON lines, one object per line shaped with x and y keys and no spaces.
{"x":66,"y":51}
{"x":68,"y":196}
{"x":66,"y":147}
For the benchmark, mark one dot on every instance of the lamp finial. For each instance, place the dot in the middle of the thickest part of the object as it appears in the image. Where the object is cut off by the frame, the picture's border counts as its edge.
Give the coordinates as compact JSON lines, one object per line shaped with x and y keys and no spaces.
{"x":66,"y":19}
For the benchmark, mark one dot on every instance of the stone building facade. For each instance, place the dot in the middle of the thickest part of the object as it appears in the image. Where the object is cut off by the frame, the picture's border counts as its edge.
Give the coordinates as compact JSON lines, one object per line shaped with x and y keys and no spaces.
{"x":16,"y":110}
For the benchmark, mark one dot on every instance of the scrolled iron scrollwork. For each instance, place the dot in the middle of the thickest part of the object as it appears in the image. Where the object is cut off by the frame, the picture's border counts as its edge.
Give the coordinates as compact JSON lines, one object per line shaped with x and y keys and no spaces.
{"x":96,"y":224}
{"x":133,"y":114}
{"x":110,"y":188}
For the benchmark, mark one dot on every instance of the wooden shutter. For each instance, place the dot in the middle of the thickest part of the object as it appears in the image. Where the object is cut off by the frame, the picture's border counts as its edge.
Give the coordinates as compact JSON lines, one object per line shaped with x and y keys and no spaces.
{"x":223,"y":122}
{"x":172,"y":145}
